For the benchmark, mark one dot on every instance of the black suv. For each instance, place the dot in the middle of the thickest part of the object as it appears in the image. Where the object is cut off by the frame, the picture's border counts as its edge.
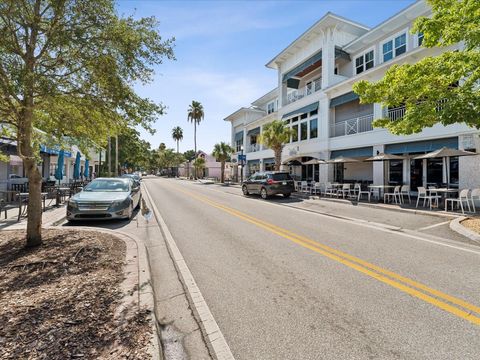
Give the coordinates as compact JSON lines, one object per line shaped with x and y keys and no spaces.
{"x":269,"y":183}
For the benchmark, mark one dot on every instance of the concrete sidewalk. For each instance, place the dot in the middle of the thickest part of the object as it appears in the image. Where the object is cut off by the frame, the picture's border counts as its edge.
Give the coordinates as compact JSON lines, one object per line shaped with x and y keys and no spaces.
{"x":49,"y":217}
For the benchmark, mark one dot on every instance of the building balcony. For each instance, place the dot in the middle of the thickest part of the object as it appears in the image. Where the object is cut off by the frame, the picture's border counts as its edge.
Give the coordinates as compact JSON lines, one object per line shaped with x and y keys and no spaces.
{"x":253,"y":148}
{"x":308,"y":89}
{"x":352,"y":126}
{"x":395,"y":113}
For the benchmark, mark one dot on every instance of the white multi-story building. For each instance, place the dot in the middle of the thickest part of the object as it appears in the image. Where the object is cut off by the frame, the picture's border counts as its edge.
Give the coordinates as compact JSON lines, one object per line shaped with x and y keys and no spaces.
{"x":314,"y":96}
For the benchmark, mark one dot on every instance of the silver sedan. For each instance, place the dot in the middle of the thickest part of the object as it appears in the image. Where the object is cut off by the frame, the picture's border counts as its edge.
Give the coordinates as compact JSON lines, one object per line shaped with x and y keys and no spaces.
{"x":105,"y":198}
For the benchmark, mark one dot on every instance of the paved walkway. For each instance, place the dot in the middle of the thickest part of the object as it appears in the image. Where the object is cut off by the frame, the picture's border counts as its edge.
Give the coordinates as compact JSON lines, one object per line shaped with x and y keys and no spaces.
{"x":49,"y":216}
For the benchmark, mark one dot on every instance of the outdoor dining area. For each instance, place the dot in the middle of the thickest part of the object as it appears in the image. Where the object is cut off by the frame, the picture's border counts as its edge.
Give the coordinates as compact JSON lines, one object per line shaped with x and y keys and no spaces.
{"x":53,"y":193}
{"x":442,"y":195}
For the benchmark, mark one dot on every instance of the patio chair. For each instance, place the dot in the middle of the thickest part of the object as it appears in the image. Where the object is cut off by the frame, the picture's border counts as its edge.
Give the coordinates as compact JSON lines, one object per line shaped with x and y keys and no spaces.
{"x":304,"y":186}
{"x":359,"y":191}
{"x":345,"y":190}
{"x":462,"y":197}
{"x":330,"y":190}
{"x":395,"y":195}
{"x":405,"y":190}
{"x":475,"y":195}
{"x":422,"y":194}
{"x":316,"y":188}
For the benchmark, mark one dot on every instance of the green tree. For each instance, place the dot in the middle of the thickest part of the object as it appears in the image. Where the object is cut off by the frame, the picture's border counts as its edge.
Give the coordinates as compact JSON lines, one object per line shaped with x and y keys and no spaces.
{"x":133,"y":152}
{"x":68,"y":68}
{"x":198,"y":164}
{"x":222,"y":152}
{"x":177,"y":134}
{"x":195,"y":114}
{"x":189,"y":156}
{"x":439,"y":89}
{"x":274,"y":136}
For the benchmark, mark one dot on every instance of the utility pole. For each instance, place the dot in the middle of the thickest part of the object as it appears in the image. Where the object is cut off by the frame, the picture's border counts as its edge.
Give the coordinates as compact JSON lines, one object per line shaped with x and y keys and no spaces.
{"x":109,"y":156}
{"x":116,"y":155}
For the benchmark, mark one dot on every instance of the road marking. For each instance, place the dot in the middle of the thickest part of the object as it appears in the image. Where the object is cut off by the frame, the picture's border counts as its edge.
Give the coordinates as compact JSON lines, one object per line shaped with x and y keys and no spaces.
{"x":360,"y":265}
{"x":216,"y":342}
{"x":433,"y":226}
{"x":364,"y":223}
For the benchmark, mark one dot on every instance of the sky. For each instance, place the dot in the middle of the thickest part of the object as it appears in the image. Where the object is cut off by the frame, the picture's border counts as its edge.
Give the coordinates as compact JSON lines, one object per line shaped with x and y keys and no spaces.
{"x":221,"y":48}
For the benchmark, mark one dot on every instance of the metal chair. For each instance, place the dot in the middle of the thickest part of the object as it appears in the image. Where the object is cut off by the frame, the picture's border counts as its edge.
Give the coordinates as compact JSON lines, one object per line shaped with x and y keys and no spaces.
{"x":405,"y":190}
{"x":395,"y":195}
{"x":345,"y":190}
{"x":358,"y":188}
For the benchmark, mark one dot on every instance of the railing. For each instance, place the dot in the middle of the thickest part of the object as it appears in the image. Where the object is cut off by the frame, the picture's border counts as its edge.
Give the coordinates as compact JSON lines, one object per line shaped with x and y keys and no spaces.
{"x":352,"y":126}
{"x":395,"y":113}
{"x":253,"y":148}
{"x":308,"y":89}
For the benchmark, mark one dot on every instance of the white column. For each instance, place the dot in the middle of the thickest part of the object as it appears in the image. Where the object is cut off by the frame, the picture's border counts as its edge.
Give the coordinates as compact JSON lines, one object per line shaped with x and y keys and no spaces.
{"x":378,"y":166}
{"x":377,"y":111}
{"x":328,"y":58}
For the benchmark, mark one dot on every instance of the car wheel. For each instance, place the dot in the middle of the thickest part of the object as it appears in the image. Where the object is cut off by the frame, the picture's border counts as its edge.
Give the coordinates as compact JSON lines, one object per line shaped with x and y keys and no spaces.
{"x":287,"y":195}
{"x":245,"y":190}
{"x":263,"y":193}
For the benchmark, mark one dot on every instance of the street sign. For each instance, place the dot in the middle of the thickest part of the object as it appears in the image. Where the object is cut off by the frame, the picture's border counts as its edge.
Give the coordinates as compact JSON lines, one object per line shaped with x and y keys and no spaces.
{"x":242,"y":157}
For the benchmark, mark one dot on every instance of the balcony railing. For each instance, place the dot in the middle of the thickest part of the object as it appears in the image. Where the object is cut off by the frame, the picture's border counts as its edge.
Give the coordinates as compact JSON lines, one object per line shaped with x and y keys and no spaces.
{"x":253,"y":148}
{"x":352,"y":126}
{"x":308,"y":89}
{"x":395,"y":113}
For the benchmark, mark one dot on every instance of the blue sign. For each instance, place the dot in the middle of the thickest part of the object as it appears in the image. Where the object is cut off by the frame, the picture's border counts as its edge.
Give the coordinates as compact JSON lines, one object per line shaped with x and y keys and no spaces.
{"x":242,"y":158}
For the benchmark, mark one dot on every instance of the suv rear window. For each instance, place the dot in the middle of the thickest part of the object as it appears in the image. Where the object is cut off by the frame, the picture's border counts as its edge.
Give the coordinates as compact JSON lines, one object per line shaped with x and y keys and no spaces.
{"x":281,"y":177}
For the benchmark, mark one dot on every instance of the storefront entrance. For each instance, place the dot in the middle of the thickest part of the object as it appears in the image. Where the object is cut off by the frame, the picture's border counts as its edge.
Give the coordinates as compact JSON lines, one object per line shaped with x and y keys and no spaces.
{"x":416,"y":174}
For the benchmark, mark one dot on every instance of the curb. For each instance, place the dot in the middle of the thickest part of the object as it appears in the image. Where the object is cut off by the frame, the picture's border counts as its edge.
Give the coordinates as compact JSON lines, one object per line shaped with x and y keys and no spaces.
{"x":137,"y":271}
{"x":456,"y":225}
{"x":212,"y":334}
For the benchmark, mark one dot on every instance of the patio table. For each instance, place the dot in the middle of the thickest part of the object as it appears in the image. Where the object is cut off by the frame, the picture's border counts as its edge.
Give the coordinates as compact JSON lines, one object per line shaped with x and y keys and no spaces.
{"x":443,"y":192}
{"x":381,"y":189}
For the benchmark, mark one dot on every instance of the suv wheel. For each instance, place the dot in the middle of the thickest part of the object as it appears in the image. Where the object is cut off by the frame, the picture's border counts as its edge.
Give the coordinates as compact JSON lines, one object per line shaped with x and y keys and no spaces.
{"x":263,"y":193}
{"x":245,"y":190}
{"x":287,"y":195}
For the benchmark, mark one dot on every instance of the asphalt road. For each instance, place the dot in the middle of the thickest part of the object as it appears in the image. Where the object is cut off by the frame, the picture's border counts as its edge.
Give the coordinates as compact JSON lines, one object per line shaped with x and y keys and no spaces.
{"x":283,"y":283}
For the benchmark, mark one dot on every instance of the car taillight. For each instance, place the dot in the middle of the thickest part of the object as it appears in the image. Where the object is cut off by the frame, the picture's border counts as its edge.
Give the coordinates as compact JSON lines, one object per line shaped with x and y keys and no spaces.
{"x":270,"y":182}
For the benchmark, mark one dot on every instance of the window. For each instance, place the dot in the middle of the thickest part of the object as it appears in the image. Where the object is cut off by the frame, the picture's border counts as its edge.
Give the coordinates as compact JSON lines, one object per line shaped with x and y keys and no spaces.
{"x":314,"y":112}
{"x":396,"y":172}
{"x":313,"y":128}
{"x":364,"y":62}
{"x":394,"y":47}
{"x":270,"y":107}
{"x":419,"y":39}
{"x":303,"y":116}
{"x":238,"y":145}
{"x":295,"y":119}
{"x":304,"y":130}
{"x":295,"y":133}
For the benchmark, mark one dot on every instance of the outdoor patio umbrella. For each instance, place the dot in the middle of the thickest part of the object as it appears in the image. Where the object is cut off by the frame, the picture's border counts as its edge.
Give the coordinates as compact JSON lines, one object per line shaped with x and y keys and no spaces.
{"x":86,"y":173}
{"x":385,"y":157}
{"x":342,"y":160}
{"x":296,"y":160}
{"x":76,"y":168}
{"x":445,"y":153}
{"x":60,"y":163}
{"x":314,"y":162}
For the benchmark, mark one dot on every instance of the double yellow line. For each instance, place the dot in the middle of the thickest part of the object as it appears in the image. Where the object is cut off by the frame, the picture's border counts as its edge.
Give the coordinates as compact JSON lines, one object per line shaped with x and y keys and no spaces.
{"x":437,"y":298}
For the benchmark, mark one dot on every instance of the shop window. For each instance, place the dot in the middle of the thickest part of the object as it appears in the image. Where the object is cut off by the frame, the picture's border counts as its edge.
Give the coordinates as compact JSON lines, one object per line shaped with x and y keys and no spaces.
{"x":313,"y":128}
{"x":454,"y":170}
{"x":295,"y":133}
{"x":396,"y":172}
{"x":434,"y":172}
{"x":304,"y":131}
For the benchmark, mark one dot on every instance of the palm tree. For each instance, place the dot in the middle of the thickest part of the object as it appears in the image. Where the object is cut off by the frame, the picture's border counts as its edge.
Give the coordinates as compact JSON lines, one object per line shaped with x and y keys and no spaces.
{"x":195,"y":115}
{"x":222,"y":152}
{"x":177,"y":134}
{"x":274,"y":136}
{"x":198,"y":164}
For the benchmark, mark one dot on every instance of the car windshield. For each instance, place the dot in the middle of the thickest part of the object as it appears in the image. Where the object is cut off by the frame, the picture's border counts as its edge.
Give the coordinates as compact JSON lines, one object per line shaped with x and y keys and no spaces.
{"x":107,"y":185}
{"x":281,"y":176}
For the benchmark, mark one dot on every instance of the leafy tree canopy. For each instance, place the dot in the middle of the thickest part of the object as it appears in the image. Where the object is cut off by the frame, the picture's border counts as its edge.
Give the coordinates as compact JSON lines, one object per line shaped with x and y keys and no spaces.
{"x":439,"y":89}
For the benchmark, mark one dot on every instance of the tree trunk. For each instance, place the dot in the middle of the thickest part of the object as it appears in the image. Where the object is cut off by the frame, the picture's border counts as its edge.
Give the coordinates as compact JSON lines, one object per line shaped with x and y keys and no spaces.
{"x":195,"y":142}
{"x":278,"y":158}
{"x":177,"y":146}
{"x":34,"y":208}
{"x":222,"y":172}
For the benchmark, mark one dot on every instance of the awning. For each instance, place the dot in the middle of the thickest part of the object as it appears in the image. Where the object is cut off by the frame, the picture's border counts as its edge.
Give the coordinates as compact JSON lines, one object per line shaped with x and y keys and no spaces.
{"x":303,"y":110}
{"x":255,"y":131}
{"x":269,"y":161}
{"x":343,"y":99}
{"x":307,"y":63}
{"x":239,"y":136}
{"x":353,"y":153}
{"x":316,"y":58}
{"x":422,"y":146}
